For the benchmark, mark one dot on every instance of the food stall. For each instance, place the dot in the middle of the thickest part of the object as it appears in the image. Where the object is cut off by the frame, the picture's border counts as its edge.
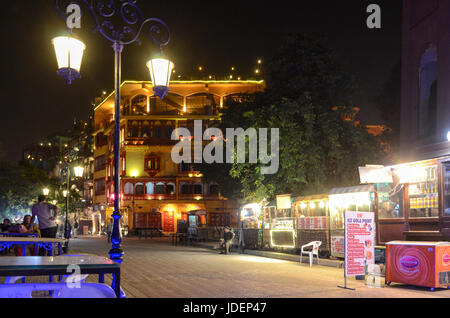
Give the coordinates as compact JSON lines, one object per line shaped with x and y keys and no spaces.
{"x":252,"y":220}
{"x":281,"y":229}
{"x":197,"y":224}
{"x":312,"y":221}
{"x":269,"y":212}
{"x":356,"y":199}
{"x":424,"y":264}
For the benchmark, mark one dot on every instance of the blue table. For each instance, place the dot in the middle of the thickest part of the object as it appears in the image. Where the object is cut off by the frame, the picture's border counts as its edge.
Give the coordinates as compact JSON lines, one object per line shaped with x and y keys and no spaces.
{"x":49,"y":266}
{"x":47,"y":243}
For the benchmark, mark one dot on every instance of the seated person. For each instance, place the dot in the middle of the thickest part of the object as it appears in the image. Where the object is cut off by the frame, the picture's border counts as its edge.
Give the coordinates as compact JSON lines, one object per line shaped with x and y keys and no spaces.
{"x":25,"y":228}
{"x":4,"y":227}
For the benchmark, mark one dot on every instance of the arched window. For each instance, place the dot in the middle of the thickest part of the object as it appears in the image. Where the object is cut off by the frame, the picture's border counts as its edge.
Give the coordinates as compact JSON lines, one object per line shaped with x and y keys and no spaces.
{"x":198,"y":188}
{"x":134,"y":129}
{"x":184,"y":188}
{"x":139,"y":105}
{"x":146,"y":131}
{"x":428,"y":92}
{"x":170,"y":189}
{"x":158,"y":130}
{"x":140,"y":189}
{"x":160,"y":188}
{"x":129,"y":189}
{"x":150,"y":188}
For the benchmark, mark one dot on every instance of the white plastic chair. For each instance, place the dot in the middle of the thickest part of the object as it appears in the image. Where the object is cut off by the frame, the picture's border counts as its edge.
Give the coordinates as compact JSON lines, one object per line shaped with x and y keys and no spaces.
{"x":315,"y":251}
{"x":59,"y":291}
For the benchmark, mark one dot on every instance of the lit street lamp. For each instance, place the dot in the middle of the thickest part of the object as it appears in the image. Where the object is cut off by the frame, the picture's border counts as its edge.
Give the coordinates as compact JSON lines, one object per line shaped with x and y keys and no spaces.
{"x":105,"y":13}
{"x":69,"y":54}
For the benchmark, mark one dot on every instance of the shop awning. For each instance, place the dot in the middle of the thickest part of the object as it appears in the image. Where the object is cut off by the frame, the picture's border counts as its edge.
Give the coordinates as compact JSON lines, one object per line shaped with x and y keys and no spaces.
{"x":357,"y":189}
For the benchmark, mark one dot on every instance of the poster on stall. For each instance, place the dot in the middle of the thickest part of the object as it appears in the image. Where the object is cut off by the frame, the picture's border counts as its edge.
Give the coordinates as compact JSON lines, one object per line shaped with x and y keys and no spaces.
{"x":359,"y":242}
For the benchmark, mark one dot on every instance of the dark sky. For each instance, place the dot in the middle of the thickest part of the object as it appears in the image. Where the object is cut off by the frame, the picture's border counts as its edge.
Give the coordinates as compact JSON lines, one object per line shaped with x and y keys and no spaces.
{"x":215,"y":34}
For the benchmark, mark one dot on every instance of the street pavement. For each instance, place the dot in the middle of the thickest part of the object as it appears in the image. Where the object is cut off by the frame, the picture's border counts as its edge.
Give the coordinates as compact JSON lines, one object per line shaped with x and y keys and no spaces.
{"x":156,"y":269}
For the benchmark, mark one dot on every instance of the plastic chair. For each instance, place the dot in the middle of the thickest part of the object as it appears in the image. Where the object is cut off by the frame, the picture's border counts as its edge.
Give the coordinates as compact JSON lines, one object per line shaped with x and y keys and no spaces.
{"x":58,"y":291}
{"x":315,"y":251}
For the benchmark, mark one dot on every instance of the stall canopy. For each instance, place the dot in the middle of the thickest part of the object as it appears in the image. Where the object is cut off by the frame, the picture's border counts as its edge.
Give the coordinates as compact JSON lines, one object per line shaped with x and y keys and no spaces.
{"x":357,"y":189}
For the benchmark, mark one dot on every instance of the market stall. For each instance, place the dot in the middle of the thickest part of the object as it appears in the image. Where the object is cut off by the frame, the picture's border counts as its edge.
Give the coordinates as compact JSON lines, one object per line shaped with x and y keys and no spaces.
{"x":415,"y":206}
{"x":355,"y":199}
{"x":252,"y":220}
{"x":312,"y":221}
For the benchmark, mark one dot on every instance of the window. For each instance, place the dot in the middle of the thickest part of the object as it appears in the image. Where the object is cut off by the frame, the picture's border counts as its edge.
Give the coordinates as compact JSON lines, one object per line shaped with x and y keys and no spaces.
{"x":150,"y":188}
{"x":139,"y":105}
{"x":146,"y":131}
{"x":100,"y":163}
{"x":129,"y":189}
{"x":170,"y":189}
{"x":447,"y":190}
{"x":390,"y":201}
{"x":140,"y":189}
{"x":100,"y":186}
{"x":158,"y":132}
{"x":184,"y":188}
{"x":428,"y":92}
{"x":424,"y":195}
{"x":152,"y":164}
{"x":198,"y":189}
{"x":160,"y":189}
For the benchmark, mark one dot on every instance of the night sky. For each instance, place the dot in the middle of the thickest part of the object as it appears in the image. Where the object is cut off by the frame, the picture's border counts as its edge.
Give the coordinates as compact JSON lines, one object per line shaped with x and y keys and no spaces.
{"x":214,"y":34}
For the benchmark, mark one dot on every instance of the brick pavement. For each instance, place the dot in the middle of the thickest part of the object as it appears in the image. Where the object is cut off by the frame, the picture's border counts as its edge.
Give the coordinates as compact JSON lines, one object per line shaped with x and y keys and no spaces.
{"x":155,"y":269}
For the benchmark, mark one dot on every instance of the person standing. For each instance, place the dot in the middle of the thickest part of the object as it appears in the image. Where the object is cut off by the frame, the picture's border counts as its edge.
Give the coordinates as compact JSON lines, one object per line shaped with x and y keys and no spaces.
{"x":47,"y":219}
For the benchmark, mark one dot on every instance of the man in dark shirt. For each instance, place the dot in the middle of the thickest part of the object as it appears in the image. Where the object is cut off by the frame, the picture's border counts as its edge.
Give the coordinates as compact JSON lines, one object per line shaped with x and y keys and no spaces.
{"x":4,"y":227}
{"x":46,"y":214}
{"x":228,"y":237}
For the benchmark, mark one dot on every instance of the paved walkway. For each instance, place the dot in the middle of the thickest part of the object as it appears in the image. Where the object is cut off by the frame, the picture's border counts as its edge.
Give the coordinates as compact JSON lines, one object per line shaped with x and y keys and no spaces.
{"x":155,"y":269}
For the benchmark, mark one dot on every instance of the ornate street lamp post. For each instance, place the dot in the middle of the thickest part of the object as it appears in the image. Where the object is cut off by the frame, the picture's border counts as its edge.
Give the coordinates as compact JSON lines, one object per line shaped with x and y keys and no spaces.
{"x":103,"y":12}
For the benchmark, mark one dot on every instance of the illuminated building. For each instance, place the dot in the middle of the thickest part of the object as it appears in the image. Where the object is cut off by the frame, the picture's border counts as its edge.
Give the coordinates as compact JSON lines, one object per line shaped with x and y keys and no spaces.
{"x":155,"y":192}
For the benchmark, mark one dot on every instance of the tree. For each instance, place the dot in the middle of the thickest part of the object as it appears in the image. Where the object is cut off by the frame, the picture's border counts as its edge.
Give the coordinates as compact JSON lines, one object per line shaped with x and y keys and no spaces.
{"x":318,"y":149}
{"x":20,"y":185}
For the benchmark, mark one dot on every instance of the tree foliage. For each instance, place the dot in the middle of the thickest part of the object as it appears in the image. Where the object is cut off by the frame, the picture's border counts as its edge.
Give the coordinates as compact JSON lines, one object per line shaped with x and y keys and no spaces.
{"x":318,"y":149}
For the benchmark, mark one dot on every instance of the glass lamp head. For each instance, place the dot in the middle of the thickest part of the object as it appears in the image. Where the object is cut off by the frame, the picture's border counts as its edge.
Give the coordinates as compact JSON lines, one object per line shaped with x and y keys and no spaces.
{"x":161,"y":70}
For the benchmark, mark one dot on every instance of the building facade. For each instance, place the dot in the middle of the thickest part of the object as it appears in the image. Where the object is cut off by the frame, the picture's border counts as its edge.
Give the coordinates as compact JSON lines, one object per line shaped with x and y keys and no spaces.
{"x":156,"y":192}
{"x":425,"y":117}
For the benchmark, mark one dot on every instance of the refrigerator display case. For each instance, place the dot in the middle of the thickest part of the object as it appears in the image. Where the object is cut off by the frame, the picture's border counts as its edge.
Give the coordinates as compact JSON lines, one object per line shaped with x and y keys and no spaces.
{"x":422,"y":264}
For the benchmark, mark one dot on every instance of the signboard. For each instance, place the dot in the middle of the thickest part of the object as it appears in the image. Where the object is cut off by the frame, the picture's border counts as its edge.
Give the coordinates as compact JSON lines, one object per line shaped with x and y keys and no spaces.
{"x":284,"y":202}
{"x":359,"y":242}
{"x":375,"y":174}
{"x":337,"y":245}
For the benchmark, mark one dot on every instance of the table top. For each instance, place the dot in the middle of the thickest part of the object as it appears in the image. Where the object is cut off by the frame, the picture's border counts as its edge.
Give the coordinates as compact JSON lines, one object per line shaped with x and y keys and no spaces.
{"x":58,"y":262}
{"x":418,"y":243}
{"x":18,"y":234}
{"x":31,"y":240}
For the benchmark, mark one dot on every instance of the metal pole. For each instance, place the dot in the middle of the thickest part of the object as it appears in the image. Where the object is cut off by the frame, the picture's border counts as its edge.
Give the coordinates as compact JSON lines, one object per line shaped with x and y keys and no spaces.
{"x":66,"y":228}
{"x":116,"y":253}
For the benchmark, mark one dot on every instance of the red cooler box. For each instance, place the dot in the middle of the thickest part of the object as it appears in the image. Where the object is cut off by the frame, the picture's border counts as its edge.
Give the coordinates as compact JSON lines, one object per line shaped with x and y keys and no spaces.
{"x":424,"y":264}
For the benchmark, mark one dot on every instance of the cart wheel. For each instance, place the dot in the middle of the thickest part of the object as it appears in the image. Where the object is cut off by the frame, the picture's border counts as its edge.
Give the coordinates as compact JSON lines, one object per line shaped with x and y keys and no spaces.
{"x":388,"y":283}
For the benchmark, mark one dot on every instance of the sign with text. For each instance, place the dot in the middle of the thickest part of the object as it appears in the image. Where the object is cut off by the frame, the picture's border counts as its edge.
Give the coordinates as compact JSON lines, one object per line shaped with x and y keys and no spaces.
{"x":359,"y":242}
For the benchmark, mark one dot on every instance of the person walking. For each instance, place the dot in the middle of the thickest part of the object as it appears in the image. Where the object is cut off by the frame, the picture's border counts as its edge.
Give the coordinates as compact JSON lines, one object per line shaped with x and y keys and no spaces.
{"x":47,"y":219}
